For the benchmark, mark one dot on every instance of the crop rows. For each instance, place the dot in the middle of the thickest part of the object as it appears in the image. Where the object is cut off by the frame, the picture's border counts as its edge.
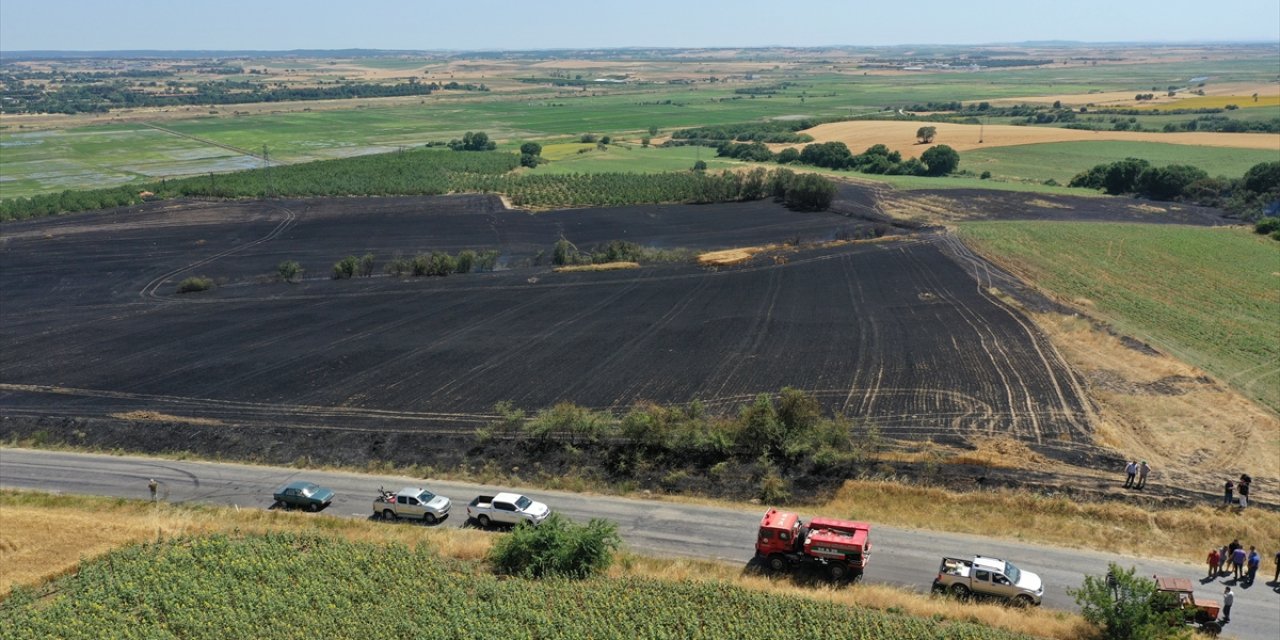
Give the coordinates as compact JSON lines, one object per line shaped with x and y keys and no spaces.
{"x":422,"y":172}
{"x":289,"y":586}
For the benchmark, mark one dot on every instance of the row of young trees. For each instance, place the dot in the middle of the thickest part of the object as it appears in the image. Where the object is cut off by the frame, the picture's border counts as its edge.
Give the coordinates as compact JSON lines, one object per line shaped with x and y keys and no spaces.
{"x":426,"y":172}
{"x":1247,"y":197}
{"x":434,"y":263}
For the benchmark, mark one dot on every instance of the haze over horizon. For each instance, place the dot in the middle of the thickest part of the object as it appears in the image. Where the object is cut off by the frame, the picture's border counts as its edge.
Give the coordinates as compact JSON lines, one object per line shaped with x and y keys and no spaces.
{"x":245,"y":25}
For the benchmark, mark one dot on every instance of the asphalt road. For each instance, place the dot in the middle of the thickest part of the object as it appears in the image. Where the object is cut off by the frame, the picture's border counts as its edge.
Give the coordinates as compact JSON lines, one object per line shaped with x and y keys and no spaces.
{"x":903,"y":557}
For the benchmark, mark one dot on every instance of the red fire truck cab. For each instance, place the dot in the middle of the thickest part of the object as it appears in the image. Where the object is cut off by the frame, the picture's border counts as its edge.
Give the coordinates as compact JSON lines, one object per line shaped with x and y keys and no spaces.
{"x":842,"y":547}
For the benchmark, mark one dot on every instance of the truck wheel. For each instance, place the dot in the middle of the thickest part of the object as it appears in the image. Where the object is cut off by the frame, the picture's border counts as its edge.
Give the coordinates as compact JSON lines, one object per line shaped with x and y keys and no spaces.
{"x":388,"y":514}
{"x":483,"y":521}
{"x":429,"y":518}
{"x":960,"y":591}
{"x":777,"y":562}
{"x":837,"y":572}
{"x":1023,"y":600}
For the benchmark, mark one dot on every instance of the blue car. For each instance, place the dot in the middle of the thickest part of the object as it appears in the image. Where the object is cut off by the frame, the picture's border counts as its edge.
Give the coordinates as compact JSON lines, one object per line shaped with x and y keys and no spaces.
{"x":304,"y":495}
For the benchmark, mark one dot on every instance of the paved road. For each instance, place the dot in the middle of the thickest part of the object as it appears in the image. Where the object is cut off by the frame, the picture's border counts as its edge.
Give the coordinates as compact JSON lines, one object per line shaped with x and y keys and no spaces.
{"x":903,"y":557}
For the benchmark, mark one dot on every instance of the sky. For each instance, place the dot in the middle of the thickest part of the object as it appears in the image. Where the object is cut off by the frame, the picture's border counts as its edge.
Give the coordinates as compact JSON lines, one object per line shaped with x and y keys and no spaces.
{"x":275,"y":25}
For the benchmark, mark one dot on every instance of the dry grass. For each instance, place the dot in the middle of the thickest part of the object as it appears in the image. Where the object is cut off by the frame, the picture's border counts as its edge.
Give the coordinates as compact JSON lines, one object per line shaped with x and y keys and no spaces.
{"x":603,"y":266}
{"x":901,"y":136}
{"x":726,"y":257}
{"x":1155,"y":407}
{"x":41,"y":538}
{"x":155,"y":416}
{"x":1115,"y":527}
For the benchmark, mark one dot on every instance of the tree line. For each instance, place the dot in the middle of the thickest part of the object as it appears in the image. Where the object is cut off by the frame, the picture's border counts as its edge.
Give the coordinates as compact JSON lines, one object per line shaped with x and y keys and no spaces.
{"x":938,"y":160}
{"x":99,"y":98}
{"x":1246,"y":198}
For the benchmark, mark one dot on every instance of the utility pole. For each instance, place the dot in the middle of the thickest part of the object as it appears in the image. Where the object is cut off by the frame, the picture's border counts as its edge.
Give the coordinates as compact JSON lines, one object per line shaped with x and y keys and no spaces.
{"x":981,"y":125}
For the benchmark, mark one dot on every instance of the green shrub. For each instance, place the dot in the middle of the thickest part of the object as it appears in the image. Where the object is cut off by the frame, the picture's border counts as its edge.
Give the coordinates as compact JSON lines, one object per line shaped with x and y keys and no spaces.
{"x":556,"y":548}
{"x":345,"y":268}
{"x":366,"y":265}
{"x":1267,"y":225}
{"x":1125,"y":606}
{"x":399,"y":266}
{"x":465,"y":262}
{"x":195,"y":283}
{"x":289,"y":270}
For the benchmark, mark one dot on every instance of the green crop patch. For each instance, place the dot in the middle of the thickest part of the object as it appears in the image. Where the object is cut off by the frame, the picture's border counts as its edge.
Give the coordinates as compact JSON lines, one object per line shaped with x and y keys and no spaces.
{"x":297,"y":586}
{"x":1061,"y":161}
{"x":1208,"y":296}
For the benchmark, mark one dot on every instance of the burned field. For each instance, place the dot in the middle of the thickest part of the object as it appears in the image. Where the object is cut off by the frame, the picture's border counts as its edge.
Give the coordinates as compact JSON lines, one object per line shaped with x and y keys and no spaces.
{"x":897,"y":332}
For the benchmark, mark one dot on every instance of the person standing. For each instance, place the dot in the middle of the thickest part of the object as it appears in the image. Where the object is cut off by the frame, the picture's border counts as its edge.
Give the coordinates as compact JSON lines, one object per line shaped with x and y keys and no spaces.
{"x":1130,"y":470}
{"x":1215,"y":559}
{"x":1224,"y":556}
{"x":152,"y":485}
{"x":1237,"y":563}
{"x":1143,"y":470}
{"x":1254,"y":561}
{"x":1243,"y":488}
{"x":1228,"y":493}
{"x":1228,"y":599}
{"x":1277,"y":578}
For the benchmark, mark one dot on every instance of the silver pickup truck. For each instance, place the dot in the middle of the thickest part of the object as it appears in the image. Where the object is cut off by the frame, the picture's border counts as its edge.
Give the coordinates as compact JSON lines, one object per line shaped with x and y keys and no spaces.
{"x":990,"y":577}
{"x":412,"y":502}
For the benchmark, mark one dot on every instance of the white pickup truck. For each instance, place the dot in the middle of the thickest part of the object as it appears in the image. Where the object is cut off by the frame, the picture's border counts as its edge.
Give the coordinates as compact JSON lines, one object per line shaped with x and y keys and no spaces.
{"x":412,"y":502}
{"x":506,"y":508}
{"x":990,"y":577}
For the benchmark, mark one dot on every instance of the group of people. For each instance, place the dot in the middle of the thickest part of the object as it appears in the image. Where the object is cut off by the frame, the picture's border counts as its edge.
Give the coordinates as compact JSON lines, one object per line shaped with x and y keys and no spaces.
{"x":1240,"y":564}
{"x":1241,"y":487}
{"x":1136,"y":470}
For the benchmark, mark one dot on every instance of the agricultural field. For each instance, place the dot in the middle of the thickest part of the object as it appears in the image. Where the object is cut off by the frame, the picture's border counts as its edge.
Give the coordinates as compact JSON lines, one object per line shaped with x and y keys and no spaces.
{"x":525,"y":103}
{"x":1209,"y":296}
{"x":893,"y":332}
{"x":231,"y":587}
{"x":1063,"y":160}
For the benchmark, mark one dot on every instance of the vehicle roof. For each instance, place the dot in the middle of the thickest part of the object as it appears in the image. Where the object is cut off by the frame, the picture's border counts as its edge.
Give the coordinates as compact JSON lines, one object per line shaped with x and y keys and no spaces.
{"x":507,"y":496}
{"x":992,"y":564}
{"x":1168,"y":583}
{"x":411,"y":491}
{"x":299,"y":484}
{"x":774,"y":519}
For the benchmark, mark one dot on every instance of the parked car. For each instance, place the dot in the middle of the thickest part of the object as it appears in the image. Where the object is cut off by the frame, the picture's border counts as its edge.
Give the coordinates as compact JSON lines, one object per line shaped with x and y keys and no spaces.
{"x":304,"y":495}
{"x":412,"y":502}
{"x":506,"y":508}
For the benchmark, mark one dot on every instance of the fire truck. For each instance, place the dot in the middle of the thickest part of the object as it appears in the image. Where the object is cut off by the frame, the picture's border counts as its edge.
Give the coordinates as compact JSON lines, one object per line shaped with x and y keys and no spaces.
{"x":839,"y":547}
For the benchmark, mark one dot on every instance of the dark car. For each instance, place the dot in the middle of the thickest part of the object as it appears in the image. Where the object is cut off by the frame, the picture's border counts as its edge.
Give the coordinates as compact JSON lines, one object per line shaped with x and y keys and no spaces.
{"x":305,"y":495}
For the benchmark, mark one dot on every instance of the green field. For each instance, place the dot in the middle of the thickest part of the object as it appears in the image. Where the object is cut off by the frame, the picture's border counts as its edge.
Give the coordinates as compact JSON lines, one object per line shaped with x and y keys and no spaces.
{"x":1063,"y":160}
{"x":296,"y":586}
{"x":1210,"y":297}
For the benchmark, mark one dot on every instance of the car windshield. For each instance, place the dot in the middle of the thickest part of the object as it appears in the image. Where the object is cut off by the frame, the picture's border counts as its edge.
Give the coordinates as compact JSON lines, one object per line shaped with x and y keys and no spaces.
{"x":1015,"y":576}
{"x":426,"y":496}
{"x":523,"y":503}
{"x":308,"y":490}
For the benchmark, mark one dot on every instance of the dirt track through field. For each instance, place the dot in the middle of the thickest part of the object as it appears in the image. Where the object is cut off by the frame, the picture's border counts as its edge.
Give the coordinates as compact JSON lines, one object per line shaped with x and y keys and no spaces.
{"x":901,"y":136}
